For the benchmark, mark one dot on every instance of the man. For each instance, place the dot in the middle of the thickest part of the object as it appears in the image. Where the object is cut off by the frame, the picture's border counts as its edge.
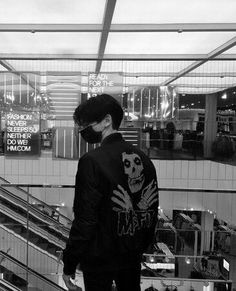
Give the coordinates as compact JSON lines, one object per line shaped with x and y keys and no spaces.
{"x":115,"y":203}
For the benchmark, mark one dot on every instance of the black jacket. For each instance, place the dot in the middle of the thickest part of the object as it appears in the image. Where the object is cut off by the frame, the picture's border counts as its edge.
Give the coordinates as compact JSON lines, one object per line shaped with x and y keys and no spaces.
{"x":115,"y":208}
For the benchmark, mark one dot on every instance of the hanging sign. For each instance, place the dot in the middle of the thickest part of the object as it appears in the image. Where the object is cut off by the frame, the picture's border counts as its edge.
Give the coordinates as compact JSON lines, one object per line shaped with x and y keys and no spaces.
{"x":108,"y":83}
{"x":22,"y":133}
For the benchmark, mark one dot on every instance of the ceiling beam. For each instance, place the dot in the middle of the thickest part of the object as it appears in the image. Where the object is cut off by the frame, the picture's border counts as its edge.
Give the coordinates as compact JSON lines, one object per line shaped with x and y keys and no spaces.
{"x":125,"y":27}
{"x":33,"y":28}
{"x":107,"y":18}
{"x":115,"y":57}
{"x":174,"y":27}
{"x":221,"y":49}
{"x":162,"y":73}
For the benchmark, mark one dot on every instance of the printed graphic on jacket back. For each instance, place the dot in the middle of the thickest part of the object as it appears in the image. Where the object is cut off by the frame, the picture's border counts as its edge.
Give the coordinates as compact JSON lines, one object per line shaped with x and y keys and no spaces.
{"x":134,"y":214}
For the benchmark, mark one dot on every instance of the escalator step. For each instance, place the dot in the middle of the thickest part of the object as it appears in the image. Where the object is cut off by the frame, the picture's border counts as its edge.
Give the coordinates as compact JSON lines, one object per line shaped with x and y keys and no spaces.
{"x":52,"y":251}
{"x":18,"y":229}
{"x":2,"y":219}
{"x":43,"y":246}
{"x":34,"y":240}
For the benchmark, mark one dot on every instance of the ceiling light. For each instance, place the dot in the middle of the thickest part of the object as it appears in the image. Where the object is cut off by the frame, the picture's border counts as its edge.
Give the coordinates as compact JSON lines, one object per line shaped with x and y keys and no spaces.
{"x":224,"y":96}
{"x":187,"y":260}
{"x":151,"y":259}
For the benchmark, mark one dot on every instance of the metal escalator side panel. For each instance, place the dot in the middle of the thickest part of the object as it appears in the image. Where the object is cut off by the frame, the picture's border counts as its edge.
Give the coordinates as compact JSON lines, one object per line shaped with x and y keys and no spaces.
{"x":34,"y":278}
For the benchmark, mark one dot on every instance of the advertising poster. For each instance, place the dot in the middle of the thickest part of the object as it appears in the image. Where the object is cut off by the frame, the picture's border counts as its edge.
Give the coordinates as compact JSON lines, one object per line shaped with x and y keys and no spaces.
{"x":105,"y":83}
{"x":22,"y":133}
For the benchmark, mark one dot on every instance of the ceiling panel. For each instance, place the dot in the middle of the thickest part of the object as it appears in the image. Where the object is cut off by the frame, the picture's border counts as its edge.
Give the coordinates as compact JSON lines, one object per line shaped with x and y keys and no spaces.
{"x":49,"y":43}
{"x":144,"y":81}
{"x":52,"y":11}
{"x":53,"y":65}
{"x":154,"y":67}
{"x":218,"y":67}
{"x":172,"y":11}
{"x":216,"y":82}
{"x":112,"y":66}
{"x":212,"y":76}
{"x":165,"y":43}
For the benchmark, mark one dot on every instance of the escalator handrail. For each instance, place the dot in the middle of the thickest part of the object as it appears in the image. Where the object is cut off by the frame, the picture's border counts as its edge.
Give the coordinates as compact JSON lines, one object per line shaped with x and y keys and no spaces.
{"x":7,"y":184}
{"x":31,"y":271}
{"x":36,"y":248}
{"x":8,"y":286}
{"x":35,"y":210}
{"x":33,"y":228}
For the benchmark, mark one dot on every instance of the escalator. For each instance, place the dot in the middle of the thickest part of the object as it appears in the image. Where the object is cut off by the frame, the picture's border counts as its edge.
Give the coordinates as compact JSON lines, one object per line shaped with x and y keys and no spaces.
{"x":6,"y":286}
{"x":17,"y":276}
{"x":33,"y":237}
{"x":25,"y":219}
{"x":14,"y":218}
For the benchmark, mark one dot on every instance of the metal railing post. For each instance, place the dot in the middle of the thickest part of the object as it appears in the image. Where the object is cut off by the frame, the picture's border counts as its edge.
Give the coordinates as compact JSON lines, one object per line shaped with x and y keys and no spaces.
{"x":27,"y":239}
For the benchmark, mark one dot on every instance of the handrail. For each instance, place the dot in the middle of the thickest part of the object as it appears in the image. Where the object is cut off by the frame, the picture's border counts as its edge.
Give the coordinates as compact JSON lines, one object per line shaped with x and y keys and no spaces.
{"x":8,"y":184}
{"x":186,"y":279}
{"x":36,"y":186}
{"x":175,"y":189}
{"x":31,"y":271}
{"x":24,"y":202}
{"x":34,"y":228}
{"x":8,"y":286}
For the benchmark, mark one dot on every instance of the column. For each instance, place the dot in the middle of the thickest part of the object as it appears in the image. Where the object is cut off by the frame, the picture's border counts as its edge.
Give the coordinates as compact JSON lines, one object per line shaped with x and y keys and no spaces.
{"x":207,"y":221}
{"x":210,"y":127}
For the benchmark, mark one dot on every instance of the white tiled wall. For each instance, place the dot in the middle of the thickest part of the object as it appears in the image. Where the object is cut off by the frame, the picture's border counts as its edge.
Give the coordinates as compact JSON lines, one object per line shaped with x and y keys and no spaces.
{"x":202,"y":174}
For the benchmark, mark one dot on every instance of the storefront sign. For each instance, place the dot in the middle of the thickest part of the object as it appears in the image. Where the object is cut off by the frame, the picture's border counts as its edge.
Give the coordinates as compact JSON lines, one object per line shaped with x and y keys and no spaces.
{"x":108,"y":83}
{"x":22,"y":133}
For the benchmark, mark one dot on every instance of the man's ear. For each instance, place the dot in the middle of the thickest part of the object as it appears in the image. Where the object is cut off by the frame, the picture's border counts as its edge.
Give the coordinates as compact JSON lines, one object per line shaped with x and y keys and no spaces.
{"x":108,"y":120}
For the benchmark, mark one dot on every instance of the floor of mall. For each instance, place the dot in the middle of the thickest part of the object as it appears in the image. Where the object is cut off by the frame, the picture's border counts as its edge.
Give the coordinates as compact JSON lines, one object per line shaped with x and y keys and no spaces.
{"x":172,"y":67}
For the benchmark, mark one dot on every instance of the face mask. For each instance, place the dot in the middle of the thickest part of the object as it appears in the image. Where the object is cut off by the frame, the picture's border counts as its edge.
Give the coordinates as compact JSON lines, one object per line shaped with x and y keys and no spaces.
{"x":90,"y":135}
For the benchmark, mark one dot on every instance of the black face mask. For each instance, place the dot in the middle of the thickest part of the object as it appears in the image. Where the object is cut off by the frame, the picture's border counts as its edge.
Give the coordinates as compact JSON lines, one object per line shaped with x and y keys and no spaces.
{"x":90,"y":135}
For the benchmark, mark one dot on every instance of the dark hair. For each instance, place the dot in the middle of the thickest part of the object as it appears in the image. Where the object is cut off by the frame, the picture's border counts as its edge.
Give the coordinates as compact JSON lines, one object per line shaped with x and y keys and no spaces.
{"x":96,"y":108}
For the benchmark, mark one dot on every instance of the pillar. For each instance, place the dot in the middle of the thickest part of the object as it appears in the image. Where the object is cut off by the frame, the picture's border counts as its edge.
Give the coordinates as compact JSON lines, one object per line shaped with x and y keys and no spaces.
{"x":207,"y":222}
{"x":210,"y":126}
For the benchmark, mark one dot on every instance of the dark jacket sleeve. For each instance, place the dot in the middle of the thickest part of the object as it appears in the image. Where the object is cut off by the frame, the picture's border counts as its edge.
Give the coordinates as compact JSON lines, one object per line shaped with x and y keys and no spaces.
{"x":151,"y":235}
{"x":86,"y":204}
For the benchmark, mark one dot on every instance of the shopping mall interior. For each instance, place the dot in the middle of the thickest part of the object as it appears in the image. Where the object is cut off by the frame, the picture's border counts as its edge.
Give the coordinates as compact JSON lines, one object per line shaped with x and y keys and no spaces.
{"x":172,"y":66}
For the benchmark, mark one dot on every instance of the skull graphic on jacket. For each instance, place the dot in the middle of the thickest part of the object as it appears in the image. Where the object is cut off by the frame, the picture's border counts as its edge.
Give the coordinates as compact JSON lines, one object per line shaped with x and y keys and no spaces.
{"x":133,"y":167}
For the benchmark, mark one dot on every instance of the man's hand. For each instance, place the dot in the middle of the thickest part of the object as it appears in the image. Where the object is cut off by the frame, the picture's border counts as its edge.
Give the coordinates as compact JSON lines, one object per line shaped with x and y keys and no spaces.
{"x":69,"y":284}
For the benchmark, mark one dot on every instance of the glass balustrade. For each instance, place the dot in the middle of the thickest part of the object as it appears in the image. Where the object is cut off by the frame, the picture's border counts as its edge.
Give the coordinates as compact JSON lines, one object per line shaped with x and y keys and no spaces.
{"x":191,"y":245}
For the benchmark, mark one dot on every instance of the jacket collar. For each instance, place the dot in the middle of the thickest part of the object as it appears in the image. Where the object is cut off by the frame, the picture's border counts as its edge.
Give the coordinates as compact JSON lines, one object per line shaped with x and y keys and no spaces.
{"x":114,"y":137}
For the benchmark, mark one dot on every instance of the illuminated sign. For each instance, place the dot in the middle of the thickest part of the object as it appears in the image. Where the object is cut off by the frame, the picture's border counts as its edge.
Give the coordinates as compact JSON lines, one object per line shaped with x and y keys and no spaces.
{"x":22,"y":133}
{"x":108,"y":83}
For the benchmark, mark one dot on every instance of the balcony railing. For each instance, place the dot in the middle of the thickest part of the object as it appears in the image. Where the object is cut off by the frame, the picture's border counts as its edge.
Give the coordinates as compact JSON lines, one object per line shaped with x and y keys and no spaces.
{"x":34,"y":231}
